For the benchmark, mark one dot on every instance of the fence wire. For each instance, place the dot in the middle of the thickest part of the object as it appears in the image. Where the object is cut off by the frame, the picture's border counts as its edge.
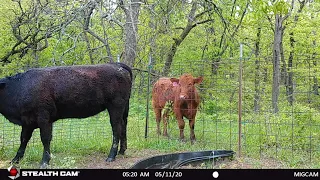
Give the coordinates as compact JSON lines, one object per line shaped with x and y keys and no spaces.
{"x":291,"y":135}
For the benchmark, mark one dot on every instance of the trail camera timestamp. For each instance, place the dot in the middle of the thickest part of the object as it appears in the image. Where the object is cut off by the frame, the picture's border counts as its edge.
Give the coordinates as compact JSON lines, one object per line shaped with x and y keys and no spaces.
{"x":168,"y":174}
{"x":135,"y":174}
{"x":156,"y":174}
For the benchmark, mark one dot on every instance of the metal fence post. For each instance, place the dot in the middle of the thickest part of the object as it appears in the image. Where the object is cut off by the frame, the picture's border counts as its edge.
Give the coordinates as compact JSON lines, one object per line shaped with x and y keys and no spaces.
{"x":148,"y":99}
{"x":240,"y":103}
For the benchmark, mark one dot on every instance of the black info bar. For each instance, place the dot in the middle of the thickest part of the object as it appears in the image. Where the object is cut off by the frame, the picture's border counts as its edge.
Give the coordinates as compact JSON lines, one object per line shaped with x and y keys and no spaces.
{"x":26,"y":174}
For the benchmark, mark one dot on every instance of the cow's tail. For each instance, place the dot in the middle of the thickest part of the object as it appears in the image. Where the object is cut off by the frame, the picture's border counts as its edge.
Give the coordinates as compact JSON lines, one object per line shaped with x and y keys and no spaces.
{"x":126,"y":67}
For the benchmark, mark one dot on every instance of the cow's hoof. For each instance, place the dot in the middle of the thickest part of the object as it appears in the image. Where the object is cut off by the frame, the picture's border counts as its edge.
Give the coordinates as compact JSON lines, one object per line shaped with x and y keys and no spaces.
{"x":14,"y":161}
{"x":110,"y":159}
{"x":44,"y":166}
{"x":121,"y":152}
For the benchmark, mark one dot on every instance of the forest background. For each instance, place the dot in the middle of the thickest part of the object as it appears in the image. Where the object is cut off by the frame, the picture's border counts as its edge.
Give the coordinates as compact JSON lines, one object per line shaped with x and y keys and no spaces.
{"x":279,"y":56}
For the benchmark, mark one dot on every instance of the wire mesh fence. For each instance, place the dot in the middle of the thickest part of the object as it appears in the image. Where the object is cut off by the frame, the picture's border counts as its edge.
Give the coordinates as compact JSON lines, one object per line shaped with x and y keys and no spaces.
{"x":291,"y":135}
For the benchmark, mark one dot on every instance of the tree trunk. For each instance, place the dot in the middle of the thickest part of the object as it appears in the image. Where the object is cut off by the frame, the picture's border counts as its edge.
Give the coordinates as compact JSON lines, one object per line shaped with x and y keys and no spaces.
{"x":36,"y":58}
{"x":289,"y":77}
{"x":178,"y":41}
{"x":192,"y":22}
{"x":315,"y":78}
{"x":174,"y":48}
{"x":153,"y":37}
{"x":278,"y":32}
{"x":257,"y":73}
{"x":314,"y":59}
{"x":153,"y":44}
{"x":284,"y":74}
{"x":131,"y":30}
{"x":86,"y":39}
{"x":289,"y":80}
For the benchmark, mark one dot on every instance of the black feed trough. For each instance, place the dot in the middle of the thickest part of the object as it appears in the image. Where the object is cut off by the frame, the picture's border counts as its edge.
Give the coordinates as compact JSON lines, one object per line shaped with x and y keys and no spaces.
{"x":173,"y":161}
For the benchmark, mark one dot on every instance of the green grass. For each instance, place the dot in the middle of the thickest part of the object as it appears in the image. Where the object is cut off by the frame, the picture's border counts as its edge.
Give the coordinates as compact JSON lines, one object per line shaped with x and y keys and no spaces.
{"x":263,"y":135}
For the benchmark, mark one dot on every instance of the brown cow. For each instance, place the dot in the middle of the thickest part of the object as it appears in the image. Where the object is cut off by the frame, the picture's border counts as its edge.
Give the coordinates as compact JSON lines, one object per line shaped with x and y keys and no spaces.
{"x":185,"y":98}
{"x":162,"y":93}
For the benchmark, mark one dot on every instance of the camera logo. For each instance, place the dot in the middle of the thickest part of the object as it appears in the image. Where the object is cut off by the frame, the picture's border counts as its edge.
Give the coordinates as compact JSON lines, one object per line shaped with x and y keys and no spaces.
{"x":14,"y":172}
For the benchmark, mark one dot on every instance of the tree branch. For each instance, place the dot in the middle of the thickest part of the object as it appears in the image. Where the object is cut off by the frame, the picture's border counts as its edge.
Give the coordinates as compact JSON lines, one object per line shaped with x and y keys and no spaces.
{"x":289,"y":13}
{"x":241,"y":19}
{"x":271,"y":24}
{"x":202,"y":22}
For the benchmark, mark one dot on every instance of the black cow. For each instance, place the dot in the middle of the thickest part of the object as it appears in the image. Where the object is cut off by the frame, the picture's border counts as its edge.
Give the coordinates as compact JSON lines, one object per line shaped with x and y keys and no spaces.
{"x":39,"y":97}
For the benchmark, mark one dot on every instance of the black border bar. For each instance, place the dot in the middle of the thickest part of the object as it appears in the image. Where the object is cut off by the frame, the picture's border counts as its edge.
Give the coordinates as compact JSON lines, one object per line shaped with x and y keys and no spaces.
{"x":196,"y":174}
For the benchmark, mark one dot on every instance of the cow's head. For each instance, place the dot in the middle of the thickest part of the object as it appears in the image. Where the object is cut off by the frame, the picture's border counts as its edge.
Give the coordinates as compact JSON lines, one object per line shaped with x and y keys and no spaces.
{"x":186,"y":84}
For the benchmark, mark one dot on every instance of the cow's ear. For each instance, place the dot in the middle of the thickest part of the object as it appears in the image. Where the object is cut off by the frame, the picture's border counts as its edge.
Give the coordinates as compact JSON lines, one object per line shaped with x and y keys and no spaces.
{"x":2,"y":85}
{"x":198,"y":80}
{"x":174,"y":80}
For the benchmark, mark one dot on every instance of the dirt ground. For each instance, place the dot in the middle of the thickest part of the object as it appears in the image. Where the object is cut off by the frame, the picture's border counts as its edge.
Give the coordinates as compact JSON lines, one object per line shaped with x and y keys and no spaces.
{"x":96,"y":161}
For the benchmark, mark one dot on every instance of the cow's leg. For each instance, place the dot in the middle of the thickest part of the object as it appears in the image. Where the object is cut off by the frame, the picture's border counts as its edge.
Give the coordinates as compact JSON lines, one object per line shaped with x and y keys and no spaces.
{"x":165,"y":121}
{"x":180,"y":124}
{"x":25,"y":136}
{"x":192,"y":135}
{"x":116,"y":120}
{"x":46,"y":136}
{"x":123,"y":137}
{"x":157,"y":111}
